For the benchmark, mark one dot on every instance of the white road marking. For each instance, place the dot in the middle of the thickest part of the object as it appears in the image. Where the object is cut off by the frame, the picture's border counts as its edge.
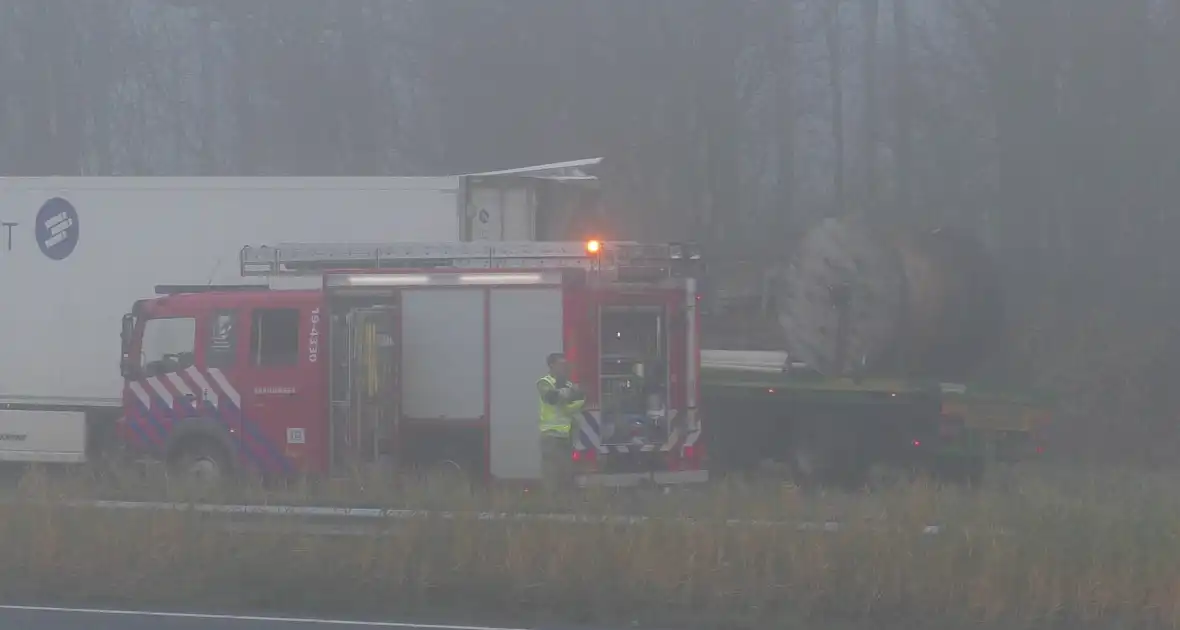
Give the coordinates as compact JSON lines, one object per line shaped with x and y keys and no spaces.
{"x":260,"y":619}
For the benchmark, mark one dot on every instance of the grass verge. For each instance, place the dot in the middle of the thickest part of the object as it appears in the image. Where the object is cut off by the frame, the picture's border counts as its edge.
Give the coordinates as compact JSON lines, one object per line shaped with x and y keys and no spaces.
{"x":1028,"y":555}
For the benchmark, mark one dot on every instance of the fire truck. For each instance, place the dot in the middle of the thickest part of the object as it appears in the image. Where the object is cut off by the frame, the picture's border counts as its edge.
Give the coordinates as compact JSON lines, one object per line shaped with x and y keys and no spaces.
{"x":414,"y":355}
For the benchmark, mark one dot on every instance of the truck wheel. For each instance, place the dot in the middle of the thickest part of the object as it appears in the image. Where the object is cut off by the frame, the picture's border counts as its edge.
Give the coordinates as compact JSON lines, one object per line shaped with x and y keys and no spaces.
{"x":822,"y":454}
{"x":811,"y":456}
{"x":969,"y":472}
{"x":445,"y":475}
{"x":201,"y":462}
{"x":806,"y":463}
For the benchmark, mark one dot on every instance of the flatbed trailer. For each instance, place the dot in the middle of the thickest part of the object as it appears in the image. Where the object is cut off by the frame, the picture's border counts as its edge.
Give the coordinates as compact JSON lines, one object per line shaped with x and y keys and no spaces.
{"x":1006,"y":426}
{"x":827,"y":429}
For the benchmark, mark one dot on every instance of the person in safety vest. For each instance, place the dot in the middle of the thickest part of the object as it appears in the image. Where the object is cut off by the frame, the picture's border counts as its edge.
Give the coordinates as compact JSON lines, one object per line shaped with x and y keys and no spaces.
{"x":560,"y":402}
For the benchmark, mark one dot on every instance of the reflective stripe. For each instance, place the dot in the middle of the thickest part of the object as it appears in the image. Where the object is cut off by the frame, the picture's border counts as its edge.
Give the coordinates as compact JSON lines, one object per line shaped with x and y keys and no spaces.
{"x":554,"y":419}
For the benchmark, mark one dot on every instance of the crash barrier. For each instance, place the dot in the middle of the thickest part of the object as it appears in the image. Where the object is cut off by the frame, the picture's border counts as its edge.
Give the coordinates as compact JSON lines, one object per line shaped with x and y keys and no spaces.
{"x":361,"y":515}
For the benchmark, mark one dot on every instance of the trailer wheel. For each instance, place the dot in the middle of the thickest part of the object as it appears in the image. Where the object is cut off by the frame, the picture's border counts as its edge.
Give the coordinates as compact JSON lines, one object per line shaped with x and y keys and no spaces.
{"x":821,"y":453}
{"x":967,"y":472}
{"x":201,"y":462}
{"x":810,"y":455}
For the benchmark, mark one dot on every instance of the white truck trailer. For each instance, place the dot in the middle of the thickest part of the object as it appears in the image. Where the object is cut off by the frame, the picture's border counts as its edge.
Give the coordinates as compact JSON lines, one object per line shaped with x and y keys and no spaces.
{"x":76,"y":251}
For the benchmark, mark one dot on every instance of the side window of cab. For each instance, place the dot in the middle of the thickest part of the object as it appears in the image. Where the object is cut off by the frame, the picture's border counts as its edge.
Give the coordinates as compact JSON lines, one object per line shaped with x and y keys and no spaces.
{"x":168,"y":345}
{"x":274,"y":337}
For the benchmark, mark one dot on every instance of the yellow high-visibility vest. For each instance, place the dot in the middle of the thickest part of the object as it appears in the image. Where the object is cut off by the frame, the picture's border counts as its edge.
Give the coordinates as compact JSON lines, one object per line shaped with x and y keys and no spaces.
{"x":556,"y":419}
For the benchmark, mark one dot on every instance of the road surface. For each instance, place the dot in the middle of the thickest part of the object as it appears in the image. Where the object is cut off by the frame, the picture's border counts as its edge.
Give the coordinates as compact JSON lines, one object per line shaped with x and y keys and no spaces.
{"x":42,"y":618}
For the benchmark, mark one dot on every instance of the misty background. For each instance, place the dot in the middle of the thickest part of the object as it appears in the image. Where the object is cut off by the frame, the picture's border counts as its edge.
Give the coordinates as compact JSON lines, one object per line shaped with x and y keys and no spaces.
{"x":1049,"y":128}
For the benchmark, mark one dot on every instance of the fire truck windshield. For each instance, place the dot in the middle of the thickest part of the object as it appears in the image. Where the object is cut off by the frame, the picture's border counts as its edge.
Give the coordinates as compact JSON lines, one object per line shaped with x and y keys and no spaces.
{"x":167,"y":345}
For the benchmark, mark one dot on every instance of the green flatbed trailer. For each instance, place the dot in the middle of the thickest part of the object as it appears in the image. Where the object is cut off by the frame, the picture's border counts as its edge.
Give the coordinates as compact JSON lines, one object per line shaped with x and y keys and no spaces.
{"x":1007,"y":426}
{"x":837,"y":429}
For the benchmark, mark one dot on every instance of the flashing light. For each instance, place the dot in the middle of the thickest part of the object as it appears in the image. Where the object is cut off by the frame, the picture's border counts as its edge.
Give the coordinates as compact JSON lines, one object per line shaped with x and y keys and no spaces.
{"x":917,"y":442}
{"x":593,"y":246}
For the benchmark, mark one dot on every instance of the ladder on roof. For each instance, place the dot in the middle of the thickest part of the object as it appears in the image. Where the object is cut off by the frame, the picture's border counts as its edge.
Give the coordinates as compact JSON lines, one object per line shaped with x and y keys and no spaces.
{"x":316,"y":258}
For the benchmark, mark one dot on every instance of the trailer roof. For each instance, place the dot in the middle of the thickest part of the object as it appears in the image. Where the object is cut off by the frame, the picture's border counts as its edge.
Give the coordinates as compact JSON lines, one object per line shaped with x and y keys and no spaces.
{"x":573,"y":171}
{"x":229,"y":183}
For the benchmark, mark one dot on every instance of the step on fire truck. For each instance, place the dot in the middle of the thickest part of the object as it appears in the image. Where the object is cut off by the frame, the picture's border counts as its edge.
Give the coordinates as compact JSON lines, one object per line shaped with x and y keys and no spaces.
{"x":415,"y":354}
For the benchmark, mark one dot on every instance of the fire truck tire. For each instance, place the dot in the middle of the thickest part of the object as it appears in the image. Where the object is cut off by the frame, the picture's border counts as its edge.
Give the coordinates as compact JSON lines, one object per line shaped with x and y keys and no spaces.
{"x":448,"y":472}
{"x":201,"y":460}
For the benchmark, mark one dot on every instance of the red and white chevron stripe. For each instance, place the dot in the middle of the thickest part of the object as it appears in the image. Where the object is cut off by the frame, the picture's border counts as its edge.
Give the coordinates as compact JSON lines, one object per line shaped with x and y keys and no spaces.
{"x":686,"y":431}
{"x":189,"y":382}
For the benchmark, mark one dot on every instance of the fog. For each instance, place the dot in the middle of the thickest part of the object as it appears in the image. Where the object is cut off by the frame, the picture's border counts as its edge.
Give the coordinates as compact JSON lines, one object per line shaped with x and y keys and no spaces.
{"x":1047,"y":128}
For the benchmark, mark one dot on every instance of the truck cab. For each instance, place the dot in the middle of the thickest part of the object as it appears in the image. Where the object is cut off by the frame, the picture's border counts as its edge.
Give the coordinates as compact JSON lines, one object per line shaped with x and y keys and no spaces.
{"x":418,"y":356}
{"x":209,"y":370}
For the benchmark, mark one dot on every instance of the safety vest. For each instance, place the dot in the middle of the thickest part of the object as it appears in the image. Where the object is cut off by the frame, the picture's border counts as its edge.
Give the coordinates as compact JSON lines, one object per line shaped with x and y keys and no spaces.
{"x":555,"y":419}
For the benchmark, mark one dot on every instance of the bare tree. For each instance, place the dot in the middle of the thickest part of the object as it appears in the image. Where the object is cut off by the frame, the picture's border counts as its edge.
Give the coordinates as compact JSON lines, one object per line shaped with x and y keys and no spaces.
{"x":870,"y":10}
{"x":831,"y":17}
{"x":903,"y":108}
{"x":784,"y":78}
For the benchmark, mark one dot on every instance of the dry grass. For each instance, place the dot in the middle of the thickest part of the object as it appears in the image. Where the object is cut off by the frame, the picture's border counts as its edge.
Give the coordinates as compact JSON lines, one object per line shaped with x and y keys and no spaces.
{"x":1060,"y":550}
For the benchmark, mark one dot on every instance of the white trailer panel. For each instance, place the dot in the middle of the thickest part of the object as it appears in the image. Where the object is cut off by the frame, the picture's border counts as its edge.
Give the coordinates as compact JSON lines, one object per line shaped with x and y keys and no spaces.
{"x":57,"y":437}
{"x":63,"y":301}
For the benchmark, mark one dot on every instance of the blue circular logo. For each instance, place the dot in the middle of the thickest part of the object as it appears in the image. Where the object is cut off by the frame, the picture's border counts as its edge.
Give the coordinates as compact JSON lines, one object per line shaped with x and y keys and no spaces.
{"x":57,"y":228}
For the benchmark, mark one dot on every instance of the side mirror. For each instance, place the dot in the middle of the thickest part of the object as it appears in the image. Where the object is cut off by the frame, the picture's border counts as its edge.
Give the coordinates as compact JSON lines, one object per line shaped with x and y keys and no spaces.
{"x":126,"y":365}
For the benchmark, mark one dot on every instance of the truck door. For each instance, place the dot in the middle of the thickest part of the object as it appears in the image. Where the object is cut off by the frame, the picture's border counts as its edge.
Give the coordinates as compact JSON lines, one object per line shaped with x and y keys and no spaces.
{"x":156,"y":398}
{"x":277,"y":388}
{"x":366,"y":359}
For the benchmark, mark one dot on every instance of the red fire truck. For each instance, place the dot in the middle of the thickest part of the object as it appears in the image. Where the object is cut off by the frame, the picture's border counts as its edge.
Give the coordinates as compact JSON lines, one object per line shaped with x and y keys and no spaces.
{"x":416,"y":354}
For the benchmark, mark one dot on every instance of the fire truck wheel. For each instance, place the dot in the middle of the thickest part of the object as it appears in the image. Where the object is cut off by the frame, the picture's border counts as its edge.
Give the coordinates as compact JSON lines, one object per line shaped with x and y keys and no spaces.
{"x":448,"y":474}
{"x":201,"y":461}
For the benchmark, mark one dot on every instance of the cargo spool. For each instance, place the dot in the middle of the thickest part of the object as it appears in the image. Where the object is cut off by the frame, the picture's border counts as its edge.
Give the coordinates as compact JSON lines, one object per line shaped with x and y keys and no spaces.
{"x":857,"y":299}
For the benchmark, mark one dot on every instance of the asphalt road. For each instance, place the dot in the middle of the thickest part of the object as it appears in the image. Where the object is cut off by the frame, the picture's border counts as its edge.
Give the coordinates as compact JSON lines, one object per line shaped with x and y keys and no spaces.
{"x":38,"y":618}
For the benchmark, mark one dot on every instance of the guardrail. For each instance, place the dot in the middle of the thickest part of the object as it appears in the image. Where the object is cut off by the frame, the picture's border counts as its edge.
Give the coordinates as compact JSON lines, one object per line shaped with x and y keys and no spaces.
{"x":354,"y":516}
